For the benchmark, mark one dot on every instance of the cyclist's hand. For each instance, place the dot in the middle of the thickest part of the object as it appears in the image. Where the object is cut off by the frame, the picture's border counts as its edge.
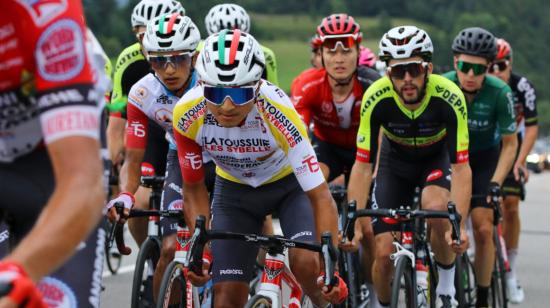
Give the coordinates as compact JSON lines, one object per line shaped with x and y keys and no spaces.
{"x":519,"y":167}
{"x":352,"y":245}
{"x":335,"y":294}
{"x":125,"y":198}
{"x":20,"y":288}
{"x":494,"y":193}
{"x":464,"y":241}
{"x":200,"y":280}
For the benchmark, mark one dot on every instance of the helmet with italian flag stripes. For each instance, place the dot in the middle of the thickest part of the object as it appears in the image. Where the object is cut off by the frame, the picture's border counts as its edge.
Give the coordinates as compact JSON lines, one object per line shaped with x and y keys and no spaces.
{"x":171,"y":32}
{"x":230,"y":58}
{"x":146,"y":10}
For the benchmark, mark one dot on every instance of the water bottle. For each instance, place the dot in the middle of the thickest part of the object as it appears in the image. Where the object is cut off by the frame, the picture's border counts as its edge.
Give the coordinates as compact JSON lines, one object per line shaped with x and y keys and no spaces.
{"x":422,"y":284}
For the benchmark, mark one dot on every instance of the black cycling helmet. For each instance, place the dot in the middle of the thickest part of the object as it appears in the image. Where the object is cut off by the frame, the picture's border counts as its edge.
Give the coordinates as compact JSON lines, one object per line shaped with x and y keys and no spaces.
{"x":476,"y":42}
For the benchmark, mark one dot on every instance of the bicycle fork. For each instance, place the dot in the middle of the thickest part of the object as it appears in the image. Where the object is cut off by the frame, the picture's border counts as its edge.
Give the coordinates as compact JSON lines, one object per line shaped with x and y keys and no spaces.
{"x":274,"y":273}
{"x":182,"y":248}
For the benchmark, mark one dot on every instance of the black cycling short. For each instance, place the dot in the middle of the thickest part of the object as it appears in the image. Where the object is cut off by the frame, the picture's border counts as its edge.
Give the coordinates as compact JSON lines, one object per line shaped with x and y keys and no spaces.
{"x":242,"y":208}
{"x":397,"y":180}
{"x":483,"y":164}
{"x":157,"y":148}
{"x":338,"y":159}
{"x":27,"y":184}
{"x":511,"y":187}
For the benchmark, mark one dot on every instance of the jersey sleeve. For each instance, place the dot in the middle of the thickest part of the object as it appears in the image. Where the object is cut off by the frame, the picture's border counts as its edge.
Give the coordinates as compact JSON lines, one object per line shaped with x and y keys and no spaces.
{"x":136,"y":131}
{"x":67,"y":102}
{"x":291,"y":135}
{"x":128,"y":71}
{"x":369,"y":128}
{"x":505,"y":111}
{"x":271,"y":66}
{"x":190,"y":159}
{"x":300,"y":100}
{"x":529,"y":99}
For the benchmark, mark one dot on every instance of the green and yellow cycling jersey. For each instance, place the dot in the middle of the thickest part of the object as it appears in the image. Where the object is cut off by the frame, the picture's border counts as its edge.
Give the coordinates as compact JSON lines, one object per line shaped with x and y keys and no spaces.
{"x":490,"y":114}
{"x":130,"y":67}
{"x":270,"y":72}
{"x":439,"y":122}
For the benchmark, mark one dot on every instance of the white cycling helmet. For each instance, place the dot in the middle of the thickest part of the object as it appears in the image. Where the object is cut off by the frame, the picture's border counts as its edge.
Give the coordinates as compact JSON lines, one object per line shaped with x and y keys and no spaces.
{"x":171,"y":32}
{"x":146,"y":10}
{"x":404,"y":42}
{"x":230,"y":58}
{"x":226,"y":16}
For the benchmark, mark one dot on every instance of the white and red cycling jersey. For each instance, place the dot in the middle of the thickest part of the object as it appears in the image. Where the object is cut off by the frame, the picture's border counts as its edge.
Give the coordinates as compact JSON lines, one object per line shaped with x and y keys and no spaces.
{"x":334,"y":122}
{"x":150,"y":99}
{"x":46,"y":82}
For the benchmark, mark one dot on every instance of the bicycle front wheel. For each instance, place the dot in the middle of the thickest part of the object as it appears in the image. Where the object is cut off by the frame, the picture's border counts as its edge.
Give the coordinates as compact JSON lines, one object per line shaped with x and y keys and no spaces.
{"x":173,"y":289}
{"x":146,"y":263}
{"x":350,"y":271}
{"x":465,"y":281}
{"x":498,"y":280}
{"x":403,"y":292}
{"x":258,"y":301}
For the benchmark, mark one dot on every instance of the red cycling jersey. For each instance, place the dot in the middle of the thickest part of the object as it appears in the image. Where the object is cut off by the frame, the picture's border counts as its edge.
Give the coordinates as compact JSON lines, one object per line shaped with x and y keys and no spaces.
{"x":312,"y":98}
{"x":46,"y":79}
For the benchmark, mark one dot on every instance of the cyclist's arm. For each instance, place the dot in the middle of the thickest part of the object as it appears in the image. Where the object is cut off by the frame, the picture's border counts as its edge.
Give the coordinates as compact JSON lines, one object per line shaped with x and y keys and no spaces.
{"x":324,"y":210}
{"x":506,"y":122}
{"x":461,"y":189}
{"x":506,"y":158}
{"x":531,"y":119}
{"x":115,"y":138}
{"x":195,"y":194}
{"x":136,"y":141}
{"x":360,"y":183}
{"x":71,"y":212}
{"x":530,"y":136}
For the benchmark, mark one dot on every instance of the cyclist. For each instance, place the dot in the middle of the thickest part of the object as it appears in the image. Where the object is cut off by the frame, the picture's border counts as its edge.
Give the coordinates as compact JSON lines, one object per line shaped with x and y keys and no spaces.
{"x":330,"y":97}
{"x":130,"y":67}
{"x":264,"y":163}
{"x":367,"y":57}
{"x":525,"y":105}
{"x":423,"y":119}
{"x":490,"y":121}
{"x":232,"y":16}
{"x":170,"y":42}
{"x":49,"y":126}
{"x":315,"y":60}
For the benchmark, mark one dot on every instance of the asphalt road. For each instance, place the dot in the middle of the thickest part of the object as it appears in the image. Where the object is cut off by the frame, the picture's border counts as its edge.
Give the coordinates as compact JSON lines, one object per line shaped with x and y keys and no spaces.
{"x":533,"y":259}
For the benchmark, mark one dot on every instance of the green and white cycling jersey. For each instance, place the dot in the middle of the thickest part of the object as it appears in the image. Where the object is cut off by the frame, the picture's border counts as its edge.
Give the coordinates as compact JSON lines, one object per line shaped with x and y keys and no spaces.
{"x":130,"y":67}
{"x":270,"y":72}
{"x":490,"y":114}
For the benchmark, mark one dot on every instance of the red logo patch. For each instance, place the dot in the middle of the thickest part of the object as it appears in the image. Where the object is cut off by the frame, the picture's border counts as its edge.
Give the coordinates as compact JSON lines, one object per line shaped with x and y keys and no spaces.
{"x":45,"y":10}
{"x":311,"y":162}
{"x":436,"y":174}
{"x":147,"y":169}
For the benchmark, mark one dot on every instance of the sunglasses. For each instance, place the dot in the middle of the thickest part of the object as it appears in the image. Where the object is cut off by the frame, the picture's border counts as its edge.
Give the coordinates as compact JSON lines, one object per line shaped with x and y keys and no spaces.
{"x":238,"y":95}
{"x":465,"y":67}
{"x":498,"y":66}
{"x":414,"y":69}
{"x":161,"y":62}
{"x":345,"y":42}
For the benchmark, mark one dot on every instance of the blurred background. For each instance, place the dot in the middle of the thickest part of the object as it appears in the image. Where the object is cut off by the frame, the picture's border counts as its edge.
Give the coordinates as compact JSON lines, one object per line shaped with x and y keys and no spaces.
{"x":286,"y":26}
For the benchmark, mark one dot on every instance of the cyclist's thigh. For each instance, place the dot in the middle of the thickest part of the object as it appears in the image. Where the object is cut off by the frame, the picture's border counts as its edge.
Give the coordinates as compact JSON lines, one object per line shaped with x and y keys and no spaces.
{"x":78,"y":282}
{"x":436,"y":182}
{"x":483,"y":165}
{"x":390,"y":191}
{"x":327,"y":156}
{"x":237,"y":208}
{"x":295,"y":212}
{"x":157,"y":148}
{"x":172,"y":193}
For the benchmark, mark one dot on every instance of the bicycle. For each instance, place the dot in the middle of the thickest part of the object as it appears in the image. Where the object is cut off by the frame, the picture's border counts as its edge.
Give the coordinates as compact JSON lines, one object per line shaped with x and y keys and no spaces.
{"x":349,"y":262}
{"x":275,"y":272}
{"x":410,"y":247}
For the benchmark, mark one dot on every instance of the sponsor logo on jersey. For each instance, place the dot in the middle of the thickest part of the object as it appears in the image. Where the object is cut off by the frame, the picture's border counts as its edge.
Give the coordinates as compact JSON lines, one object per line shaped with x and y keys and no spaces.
{"x":189,"y":117}
{"x":363,"y":155}
{"x":326,"y":107}
{"x":60,"y":53}
{"x":56,"y":293}
{"x":176,"y":204}
{"x":462,"y":156}
{"x":248,"y":174}
{"x":192,"y":160}
{"x":137,"y":129}
{"x":311,"y":162}
{"x":164,"y":115}
{"x":231,"y":271}
{"x":281,"y":122}
{"x":60,"y":97}
{"x":127,"y":57}
{"x":373,"y":98}
{"x":147,"y":169}
{"x":164,"y":99}
{"x":44,"y":11}
{"x":453,"y":99}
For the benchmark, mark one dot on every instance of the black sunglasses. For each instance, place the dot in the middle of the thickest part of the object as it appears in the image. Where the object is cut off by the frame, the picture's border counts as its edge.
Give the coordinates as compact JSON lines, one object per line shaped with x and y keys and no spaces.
{"x":414,"y":69}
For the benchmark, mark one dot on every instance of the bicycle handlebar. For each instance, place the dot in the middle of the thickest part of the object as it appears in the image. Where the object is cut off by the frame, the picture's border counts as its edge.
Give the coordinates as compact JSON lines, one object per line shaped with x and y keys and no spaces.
{"x":273,"y":243}
{"x":401,"y":215}
{"x":117,"y":229}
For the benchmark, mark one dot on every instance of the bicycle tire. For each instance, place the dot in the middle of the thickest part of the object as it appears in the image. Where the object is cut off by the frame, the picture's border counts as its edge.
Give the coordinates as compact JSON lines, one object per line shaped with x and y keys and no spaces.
{"x":465,"y":283}
{"x":113,"y":260}
{"x":498,"y":280}
{"x":142,"y":289}
{"x":406,"y":297}
{"x":258,"y":301}
{"x":172,"y":274}
{"x":349,"y":267}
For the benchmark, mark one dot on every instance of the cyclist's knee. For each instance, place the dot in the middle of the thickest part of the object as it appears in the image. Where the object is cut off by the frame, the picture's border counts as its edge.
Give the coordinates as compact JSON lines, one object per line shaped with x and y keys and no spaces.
{"x":439,"y":226}
{"x":305,"y":265}
{"x":510,"y":209}
{"x":483,"y":234}
{"x":384,"y":249}
{"x":230,"y":294}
